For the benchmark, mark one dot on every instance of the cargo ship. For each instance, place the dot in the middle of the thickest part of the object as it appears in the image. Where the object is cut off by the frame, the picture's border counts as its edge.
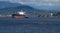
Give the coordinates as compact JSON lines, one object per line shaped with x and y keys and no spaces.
{"x":20,"y":14}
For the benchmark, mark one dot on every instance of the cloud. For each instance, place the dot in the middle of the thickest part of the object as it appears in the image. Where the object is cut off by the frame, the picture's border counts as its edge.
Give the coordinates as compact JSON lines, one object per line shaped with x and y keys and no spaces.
{"x":51,"y":0}
{"x":43,"y":2}
{"x":37,"y":2}
{"x":21,"y":2}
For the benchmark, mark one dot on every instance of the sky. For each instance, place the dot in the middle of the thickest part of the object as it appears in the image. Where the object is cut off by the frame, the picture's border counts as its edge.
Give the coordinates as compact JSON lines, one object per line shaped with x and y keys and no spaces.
{"x":34,"y":3}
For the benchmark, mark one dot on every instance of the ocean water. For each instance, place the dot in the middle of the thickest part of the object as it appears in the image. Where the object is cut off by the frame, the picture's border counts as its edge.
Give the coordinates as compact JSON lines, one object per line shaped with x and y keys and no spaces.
{"x":30,"y":25}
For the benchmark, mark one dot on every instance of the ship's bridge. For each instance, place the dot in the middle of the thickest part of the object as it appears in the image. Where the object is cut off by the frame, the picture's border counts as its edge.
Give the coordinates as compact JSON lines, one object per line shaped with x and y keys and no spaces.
{"x":22,"y":12}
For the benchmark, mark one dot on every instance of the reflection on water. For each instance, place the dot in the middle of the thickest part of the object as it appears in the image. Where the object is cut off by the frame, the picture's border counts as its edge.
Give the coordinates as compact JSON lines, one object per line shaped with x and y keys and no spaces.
{"x":30,"y":25}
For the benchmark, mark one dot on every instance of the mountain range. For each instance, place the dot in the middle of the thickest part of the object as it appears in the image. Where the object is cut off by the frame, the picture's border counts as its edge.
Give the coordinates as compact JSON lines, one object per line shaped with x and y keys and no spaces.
{"x":4,"y":4}
{"x":11,"y":8}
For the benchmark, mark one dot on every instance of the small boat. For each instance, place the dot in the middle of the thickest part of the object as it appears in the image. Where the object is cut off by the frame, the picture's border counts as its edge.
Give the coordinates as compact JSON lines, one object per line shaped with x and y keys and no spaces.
{"x":19,"y":15}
